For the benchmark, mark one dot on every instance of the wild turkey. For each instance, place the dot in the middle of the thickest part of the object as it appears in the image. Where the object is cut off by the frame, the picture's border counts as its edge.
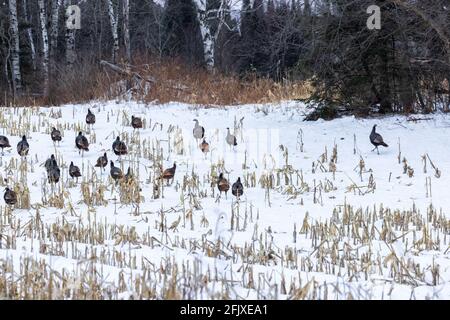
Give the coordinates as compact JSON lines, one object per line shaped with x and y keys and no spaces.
{"x":119,"y":147}
{"x":74,"y":171}
{"x":204,"y":146}
{"x":82,"y":143}
{"x":198,"y":131}
{"x":56,"y":135}
{"x":90,"y":118}
{"x":115,"y":172}
{"x":237,"y":189}
{"x":50,"y":162}
{"x":102,"y":161}
{"x":23,"y":147}
{"x":136,"y":122}
{"x":231,"y":139}
{"x":54,"y":173}
{"x":4,"y":143}
{"x":10,"y":197}
{"x":169,"y":173}
{"x":223,"y":185}
{"x":376,"y":139}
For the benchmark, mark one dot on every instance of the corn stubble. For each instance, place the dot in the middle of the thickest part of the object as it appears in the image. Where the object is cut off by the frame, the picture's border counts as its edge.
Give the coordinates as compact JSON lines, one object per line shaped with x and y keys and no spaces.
{"x":344,"y":246}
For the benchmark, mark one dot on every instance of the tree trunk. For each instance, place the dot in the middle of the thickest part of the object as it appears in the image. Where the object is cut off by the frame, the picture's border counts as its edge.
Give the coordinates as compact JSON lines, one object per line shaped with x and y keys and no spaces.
{"x":71,"y":55}
{"x":207,"y":36}
{"x":114,"y":32}
{"x":56,"y":4}
{"x":385,"y":86}
{"x":126,"y":29}
{"x":15,"y":52}
{"x":29,"y":33}
{"x":45,"y":61}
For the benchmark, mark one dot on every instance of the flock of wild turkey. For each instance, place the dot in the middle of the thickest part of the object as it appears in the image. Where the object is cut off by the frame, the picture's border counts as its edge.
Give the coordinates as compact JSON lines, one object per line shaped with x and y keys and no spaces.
{"x":119,"y":148}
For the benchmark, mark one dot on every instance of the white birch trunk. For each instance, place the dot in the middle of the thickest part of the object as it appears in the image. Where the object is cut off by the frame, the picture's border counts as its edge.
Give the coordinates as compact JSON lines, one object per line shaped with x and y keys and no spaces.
{"x":207,"y":36}
{"x":15,"y":50}
{"x":126,"y":29}
{"x":45,"y":61}
{"x":56,"y":4}
{"x":113,"y":21}
{"x":71,"y":55}
{"x":29,"y":33}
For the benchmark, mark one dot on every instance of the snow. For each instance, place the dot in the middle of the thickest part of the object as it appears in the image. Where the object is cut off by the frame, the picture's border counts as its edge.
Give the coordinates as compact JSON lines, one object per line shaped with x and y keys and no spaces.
{"x":263,"y":221}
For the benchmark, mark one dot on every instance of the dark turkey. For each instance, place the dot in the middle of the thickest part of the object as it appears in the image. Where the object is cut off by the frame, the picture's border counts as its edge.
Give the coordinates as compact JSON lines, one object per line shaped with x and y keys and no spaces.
{"x":119,"y":147}
{"x":223,"y":185}
{"x":50,"y":162}
{"x":90,"y":117}
{"x":56,"y":135}
{"x":169,"y":173}
{"x":136,"y":122}
{"x":102,"y":161}
{"x":74,"y":171}
{"x":10,"y":197}
{"x":54,"y":173}
{"x":376,"y":139}
{"x":82,"y":142}
{"x":204,"y":146}
{"x":237,"y":189}
{"x":115,"y":172}
{"x":4,"y":143}
{"x":23,"y":147}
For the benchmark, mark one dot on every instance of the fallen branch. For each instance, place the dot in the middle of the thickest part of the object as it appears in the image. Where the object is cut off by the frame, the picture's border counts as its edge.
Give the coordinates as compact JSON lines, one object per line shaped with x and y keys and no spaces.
{"x":127,"y":72}
{"x":419,"y":119}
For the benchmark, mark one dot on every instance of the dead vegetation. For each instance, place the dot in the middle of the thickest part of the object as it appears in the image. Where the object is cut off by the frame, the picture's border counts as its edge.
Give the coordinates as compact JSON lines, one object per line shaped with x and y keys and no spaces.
{"x":154,"y":254}
{"x":161,"y":81}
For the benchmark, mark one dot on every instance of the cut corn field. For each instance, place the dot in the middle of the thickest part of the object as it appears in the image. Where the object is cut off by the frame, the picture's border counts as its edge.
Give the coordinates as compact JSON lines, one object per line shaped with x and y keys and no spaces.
{"x":321,"y":217}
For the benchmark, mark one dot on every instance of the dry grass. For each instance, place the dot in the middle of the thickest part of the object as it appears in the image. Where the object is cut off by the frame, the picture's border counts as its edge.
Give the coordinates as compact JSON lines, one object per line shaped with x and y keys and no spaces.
{"x":201,"y":87}
{"x":354,"y":244}
{"x":174,"y":81}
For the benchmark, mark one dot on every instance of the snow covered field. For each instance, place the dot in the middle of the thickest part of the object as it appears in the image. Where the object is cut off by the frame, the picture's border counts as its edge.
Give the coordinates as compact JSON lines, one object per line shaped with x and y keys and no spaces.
{"x":322,"y":216}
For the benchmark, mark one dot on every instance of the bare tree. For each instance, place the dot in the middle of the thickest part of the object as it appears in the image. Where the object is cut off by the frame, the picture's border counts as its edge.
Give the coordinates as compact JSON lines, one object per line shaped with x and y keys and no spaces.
{"x":56,"y":4}
{"x":126,"y":28}
{"x":115,"y":34}
{"x":15,"y":51}
{"x":29,"y":33}
{"x":71,"y":54}
{"x":210,"y":18}
{"x":207,"y":37}
{"x":45,"y":47}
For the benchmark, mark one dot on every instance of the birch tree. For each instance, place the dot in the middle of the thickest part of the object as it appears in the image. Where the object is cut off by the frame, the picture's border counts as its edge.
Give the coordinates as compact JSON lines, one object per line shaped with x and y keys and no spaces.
{"x":115,"y":35}
{"x":15,"y":50}
{"x":45,"y":50}
{"x":71,"y":55}
{"x":126,"y":28}
{"x":29,"y":33}
{"x":208,"y":43}
{"x":209,"y":36}
{"x":56,"y":4}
